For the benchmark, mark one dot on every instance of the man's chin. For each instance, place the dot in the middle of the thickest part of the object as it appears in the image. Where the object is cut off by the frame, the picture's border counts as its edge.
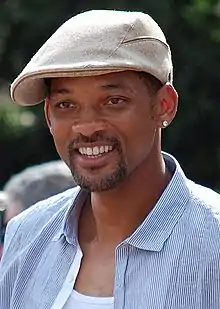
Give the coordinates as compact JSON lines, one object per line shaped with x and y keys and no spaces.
{"x":95,"y":183}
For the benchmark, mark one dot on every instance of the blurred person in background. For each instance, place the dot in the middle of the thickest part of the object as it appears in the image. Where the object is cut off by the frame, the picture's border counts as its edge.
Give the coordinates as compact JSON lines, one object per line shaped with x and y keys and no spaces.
{"x":34,"y":184}
{"x":3,"y":205}
{"x":30,"y":186}
{"x":136,"y":233}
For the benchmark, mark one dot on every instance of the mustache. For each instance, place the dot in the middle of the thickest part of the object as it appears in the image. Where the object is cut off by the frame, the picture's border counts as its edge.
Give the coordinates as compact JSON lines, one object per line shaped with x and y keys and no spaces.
{"x":95,"y":137}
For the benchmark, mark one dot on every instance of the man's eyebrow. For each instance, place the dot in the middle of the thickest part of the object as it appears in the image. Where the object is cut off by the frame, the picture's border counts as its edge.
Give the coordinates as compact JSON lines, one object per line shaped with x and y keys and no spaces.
{"x":60,"y":91}
{"x":107,"y":86}
{"x":113,"y":86}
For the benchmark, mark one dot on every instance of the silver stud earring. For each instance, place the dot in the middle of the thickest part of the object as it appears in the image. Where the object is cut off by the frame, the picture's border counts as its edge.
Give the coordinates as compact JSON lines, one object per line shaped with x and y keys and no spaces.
{"x":165,"y":123}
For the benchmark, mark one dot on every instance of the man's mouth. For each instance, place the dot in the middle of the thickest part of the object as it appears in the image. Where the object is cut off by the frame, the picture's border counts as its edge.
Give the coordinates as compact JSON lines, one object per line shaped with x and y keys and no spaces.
{"x":95,"y":151}
{"x":88,"y":156}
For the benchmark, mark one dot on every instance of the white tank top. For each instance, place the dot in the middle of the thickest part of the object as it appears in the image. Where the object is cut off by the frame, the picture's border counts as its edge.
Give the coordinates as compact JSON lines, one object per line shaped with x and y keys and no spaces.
{"x":80,"y":301}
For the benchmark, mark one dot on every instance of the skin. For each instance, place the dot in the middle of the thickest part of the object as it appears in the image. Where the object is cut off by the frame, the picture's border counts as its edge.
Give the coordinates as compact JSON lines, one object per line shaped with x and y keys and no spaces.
{"x":120,"y":106}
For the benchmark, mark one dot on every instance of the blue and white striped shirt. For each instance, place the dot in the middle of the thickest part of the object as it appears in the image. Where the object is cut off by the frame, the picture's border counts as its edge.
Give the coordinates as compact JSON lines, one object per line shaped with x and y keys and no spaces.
{"x":171,"y":261}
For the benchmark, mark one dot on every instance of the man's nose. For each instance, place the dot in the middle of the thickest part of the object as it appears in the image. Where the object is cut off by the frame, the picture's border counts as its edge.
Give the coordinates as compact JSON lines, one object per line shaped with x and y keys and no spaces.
{"x":89,"y":122}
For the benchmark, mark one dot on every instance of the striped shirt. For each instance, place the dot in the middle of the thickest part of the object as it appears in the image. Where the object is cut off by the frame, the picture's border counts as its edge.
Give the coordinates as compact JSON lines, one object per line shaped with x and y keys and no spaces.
{"x":171,"y":261}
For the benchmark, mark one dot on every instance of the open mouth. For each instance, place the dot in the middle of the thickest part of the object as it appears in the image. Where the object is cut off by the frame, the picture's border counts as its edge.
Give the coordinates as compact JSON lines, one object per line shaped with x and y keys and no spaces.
{"x":96,"y":151}
{"x":95,"y":155}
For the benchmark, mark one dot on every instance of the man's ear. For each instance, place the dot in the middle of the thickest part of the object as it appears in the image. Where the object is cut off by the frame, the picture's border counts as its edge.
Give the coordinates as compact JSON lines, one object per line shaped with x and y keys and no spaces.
{"x":47,"y":113}
{"x":167,"y":103}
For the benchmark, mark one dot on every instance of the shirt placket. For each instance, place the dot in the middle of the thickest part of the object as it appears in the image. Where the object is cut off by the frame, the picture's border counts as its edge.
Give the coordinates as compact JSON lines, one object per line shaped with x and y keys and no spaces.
{"x":121,"y":261}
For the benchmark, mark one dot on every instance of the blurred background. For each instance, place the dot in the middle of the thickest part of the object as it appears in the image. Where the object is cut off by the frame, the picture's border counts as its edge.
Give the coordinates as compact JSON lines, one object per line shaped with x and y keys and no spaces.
{"x":193,"y":31}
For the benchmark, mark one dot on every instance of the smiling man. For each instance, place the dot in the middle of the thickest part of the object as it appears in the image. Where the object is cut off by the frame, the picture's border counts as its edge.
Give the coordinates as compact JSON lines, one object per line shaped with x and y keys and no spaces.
{"x":135,"y":233}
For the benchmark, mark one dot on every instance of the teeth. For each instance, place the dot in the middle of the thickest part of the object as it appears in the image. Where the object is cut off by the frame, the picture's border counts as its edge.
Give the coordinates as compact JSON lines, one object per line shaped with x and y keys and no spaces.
{"x":89,"y":151}
{"x":95,"y":151}
{"x":102,"y":149}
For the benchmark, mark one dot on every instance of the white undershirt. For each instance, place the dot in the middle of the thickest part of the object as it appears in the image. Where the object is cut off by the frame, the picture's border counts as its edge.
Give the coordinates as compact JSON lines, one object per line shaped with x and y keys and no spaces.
{"x":80,"y":301}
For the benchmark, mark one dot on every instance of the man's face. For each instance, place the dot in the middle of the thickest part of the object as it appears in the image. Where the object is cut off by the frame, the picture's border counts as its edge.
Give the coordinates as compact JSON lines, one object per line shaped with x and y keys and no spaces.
{"x":104,"y":127}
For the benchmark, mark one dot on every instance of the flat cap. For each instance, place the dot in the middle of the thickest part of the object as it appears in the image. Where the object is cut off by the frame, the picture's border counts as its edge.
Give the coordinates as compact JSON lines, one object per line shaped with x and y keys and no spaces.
{"x":93,"y":43}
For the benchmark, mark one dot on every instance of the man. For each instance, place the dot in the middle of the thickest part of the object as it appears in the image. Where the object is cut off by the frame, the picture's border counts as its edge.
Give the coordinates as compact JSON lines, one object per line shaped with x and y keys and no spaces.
{"x":33,"y":184}
{"x":3,"y":204}
{"x":136,"y":233}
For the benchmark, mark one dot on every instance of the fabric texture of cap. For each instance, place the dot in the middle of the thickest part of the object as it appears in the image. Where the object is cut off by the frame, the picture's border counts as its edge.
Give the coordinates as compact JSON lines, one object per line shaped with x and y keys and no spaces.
{"x":94,"y":43}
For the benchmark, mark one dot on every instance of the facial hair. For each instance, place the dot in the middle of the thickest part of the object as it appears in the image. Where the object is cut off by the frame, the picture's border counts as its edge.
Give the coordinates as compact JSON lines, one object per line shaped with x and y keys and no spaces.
{"x":106,"y":182}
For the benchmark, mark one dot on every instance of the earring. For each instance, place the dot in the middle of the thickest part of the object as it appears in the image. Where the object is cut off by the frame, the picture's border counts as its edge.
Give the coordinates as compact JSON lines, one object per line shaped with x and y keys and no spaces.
{"x":165,"y":123}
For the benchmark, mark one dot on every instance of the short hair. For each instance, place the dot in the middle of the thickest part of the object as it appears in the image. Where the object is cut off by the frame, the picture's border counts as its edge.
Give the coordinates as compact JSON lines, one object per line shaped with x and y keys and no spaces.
{"x":47,"y":83}
{"x":153,"y":84}
{"x":38,"y":182}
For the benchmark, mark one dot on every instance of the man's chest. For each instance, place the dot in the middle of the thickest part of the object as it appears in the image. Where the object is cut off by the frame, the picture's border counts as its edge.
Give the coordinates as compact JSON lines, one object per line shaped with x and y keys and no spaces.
{"x":139,"y":278}
{"x":96,"y":273}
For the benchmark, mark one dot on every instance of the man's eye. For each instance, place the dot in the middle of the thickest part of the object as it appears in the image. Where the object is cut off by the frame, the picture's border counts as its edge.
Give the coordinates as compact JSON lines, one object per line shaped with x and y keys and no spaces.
{"x":65,"y":105}
{"x":115,"y":101}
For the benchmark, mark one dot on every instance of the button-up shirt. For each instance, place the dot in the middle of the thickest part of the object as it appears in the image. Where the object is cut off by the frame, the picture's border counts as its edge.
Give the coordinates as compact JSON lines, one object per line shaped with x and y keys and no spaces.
{"x":171,"y":261}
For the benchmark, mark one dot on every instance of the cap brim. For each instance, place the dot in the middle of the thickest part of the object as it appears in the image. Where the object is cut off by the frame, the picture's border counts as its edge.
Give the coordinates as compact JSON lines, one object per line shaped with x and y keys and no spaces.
{"x":29,"y":89}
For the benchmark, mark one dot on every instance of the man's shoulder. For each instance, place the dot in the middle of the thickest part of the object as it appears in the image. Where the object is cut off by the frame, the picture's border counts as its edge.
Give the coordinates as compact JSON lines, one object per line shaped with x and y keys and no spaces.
{"x":205,"y":209}
{"x":203,"y":226}
{"x":206,"y":197}
{"x":35,"y":218}
{"x":49,"y":207}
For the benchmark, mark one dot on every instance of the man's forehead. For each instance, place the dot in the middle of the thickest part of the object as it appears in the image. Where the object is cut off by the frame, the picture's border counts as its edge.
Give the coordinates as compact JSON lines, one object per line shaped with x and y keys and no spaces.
{"x":123,"y":80}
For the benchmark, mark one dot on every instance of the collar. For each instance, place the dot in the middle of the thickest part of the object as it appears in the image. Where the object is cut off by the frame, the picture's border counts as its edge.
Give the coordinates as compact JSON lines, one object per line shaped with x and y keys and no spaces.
{"x":69,"y":222}
{"x":157,"y":226}
{"x":160,"y":222}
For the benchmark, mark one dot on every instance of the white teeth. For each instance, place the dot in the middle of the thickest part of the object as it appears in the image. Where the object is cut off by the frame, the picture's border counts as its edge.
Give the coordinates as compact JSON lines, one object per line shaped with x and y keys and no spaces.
{"x":95,"y":151}
{"x":102,"y":149}
{"x":81,"y":150}
{"x":89,"y":151}
{"x":108,"y":148}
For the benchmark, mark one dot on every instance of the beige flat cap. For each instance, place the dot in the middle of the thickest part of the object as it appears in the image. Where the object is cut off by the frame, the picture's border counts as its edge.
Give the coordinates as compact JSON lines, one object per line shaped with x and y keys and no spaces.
{"x":94,"y":43}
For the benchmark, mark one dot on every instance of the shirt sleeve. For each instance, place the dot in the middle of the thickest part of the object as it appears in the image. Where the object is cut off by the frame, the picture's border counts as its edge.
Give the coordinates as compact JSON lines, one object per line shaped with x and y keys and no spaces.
{"x":210,"y":281}
{"x":9,"y":263}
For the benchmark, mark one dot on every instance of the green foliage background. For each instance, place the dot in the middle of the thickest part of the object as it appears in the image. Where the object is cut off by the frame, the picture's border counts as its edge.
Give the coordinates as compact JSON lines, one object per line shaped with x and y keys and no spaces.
{"x":193,"y":31}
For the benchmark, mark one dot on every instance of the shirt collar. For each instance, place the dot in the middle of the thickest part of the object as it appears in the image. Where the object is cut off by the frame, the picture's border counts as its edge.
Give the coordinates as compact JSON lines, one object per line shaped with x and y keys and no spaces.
{"x":160,"y":222}
{"x":69,"y":222}
{"x":72,"y":217}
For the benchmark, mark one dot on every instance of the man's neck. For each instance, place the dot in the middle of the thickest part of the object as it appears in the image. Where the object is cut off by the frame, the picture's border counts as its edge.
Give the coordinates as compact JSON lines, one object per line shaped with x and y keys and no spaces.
{"x":112,"y":216}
